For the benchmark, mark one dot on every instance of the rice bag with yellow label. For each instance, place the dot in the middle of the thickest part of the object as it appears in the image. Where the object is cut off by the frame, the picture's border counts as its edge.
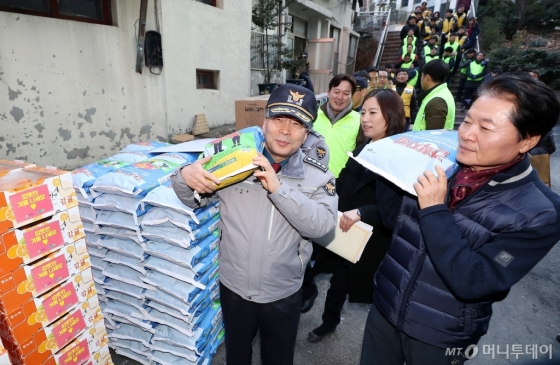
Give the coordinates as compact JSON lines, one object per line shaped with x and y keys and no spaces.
{"x":232,"y":155}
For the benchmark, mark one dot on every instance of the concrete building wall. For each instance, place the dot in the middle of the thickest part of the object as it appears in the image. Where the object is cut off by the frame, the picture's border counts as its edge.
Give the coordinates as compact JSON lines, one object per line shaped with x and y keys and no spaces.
{"x":198,"y":36}
{"x":69,"y":93}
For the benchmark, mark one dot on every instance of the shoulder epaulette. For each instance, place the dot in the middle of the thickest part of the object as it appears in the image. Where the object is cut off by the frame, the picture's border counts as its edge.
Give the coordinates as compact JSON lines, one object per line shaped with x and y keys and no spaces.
{"x":314,"y":132}
{"x":315,"y":163}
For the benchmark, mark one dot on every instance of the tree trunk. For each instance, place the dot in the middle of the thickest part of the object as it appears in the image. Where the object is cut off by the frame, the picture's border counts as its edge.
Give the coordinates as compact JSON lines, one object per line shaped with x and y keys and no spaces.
{"x":521,"y":8}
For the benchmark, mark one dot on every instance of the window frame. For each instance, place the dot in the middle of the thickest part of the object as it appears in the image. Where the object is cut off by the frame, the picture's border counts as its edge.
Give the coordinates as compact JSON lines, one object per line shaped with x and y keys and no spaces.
{"x":54,"y":14}
{"x":213,"y":82}
{"x":212,"y":3}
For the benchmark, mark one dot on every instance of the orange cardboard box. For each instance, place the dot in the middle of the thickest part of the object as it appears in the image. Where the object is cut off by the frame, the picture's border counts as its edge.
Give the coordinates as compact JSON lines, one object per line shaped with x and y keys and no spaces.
{"x":76,"y":353}
{"x":64,"y":301}
{"x":33,"y":193}
{"x":54,"y":337}
{"x":28,"y":281}
{"x":7,"y":166}
{"x":25,"y":245}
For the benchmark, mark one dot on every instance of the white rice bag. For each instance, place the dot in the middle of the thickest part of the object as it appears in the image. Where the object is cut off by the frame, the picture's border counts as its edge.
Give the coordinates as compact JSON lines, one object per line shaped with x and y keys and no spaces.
{"x":137,"y":179}
{"x":403,"y":157}
{"x":120,"y":259}
{"x":118,"y":220}
{"x":98,"y":263}
{"x":131,"y":332}
{"x":119,"y":203}
{"x":153,"y":315}
{"x":175,"y":271}
{"x":135,"y":346}
{"x":158,"y":216}
{"x":124,"y":274}
{"x":164,"y":196}
{"x":181,"y":290}
{"x":124,"y":247}
{"x":124,"y":234}
{"x":128,"y":289}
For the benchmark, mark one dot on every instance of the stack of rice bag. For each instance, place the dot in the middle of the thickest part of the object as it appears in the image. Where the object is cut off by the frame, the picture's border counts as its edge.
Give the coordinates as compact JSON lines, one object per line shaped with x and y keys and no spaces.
{"x":154,"y":260}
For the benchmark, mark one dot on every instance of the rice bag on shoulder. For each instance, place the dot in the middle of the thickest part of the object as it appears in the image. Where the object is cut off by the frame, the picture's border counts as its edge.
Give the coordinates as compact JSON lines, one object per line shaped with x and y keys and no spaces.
{"x":137,"y":179}
{"x":158,"y":216}
{"x":118,"y":203}
{"x":144,"y":146}
{"x":403,"y":157}
{"x":84,"y":177}
{"x":232,"y":155}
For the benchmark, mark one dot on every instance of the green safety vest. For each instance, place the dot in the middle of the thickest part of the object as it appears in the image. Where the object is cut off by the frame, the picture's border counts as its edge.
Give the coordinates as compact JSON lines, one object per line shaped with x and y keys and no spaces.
{"x":476,"y":69}
{"x":447,"y":59}
{"x":427,"y":50}
{"x":429,"y":58}
{"x":404,"y":50}
{"x":455,"y":46}
{"x":414,"y":80}
{"x":407,"y":65}
{"x":464,"y":69}
{"x":340,"y":137}
{"x":405,"y":38}
{"x":443,"y":92}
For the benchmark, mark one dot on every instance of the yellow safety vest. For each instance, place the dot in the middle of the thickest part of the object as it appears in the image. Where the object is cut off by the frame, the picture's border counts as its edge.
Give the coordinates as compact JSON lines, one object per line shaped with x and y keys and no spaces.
{"x":406,"y":97}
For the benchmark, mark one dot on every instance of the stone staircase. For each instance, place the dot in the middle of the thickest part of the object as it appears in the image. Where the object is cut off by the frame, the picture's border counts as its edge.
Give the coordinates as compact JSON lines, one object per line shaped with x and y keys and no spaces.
{"x":391,"y":54}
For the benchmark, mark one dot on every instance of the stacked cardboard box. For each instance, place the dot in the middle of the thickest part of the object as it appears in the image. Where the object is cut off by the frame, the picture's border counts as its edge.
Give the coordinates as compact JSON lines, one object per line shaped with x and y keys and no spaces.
{"x":154,"y":263}
{"x":48,"y":302}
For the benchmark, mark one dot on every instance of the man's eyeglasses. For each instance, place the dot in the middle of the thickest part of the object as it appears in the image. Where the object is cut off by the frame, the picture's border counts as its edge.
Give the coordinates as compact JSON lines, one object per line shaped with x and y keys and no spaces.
{"x":292,"y":123}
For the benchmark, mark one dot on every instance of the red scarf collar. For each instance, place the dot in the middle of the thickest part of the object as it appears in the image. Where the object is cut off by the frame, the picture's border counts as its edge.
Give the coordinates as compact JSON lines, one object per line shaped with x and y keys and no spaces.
{"x":467,"y":181}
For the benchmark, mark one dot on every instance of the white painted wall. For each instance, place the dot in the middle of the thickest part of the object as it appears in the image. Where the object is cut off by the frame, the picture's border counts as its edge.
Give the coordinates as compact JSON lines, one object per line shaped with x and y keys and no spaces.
{"x":69,"y":94}
{"x":200,"y":36}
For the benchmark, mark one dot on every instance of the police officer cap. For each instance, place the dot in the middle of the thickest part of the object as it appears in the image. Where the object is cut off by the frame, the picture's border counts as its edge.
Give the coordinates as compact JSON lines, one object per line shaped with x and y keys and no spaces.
{"x":371,"y":69}
{"x":293,"y":101}
{"x":361,"y":82}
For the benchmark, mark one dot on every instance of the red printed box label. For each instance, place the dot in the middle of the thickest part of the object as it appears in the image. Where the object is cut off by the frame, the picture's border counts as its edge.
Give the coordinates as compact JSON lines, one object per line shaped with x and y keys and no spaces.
{"x":45,"y":237}
{"x":31,"y":203}
{"x":48,"y":274}
{"x":76,"y":355}
{"x":67,"y":329}
{"x":60,"y":301}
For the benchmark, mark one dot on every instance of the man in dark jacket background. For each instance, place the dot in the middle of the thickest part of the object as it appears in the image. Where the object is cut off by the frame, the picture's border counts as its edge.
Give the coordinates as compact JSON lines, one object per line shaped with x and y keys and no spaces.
{"x":460,"y":246}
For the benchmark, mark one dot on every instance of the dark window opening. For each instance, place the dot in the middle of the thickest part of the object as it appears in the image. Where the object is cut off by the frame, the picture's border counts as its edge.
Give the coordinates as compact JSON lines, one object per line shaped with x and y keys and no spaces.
{"x":206,"y":79}
{"x":90,"y":11}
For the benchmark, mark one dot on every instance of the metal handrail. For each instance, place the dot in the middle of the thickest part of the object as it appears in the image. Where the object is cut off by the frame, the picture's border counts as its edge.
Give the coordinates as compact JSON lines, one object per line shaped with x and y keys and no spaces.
{"x":472,"y":10}
{"x":381,"y":45}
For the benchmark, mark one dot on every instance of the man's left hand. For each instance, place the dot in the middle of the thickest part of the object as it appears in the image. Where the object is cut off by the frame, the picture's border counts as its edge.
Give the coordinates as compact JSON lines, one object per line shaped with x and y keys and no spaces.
{"x":431,"y":189}
{"x":268,"y":178}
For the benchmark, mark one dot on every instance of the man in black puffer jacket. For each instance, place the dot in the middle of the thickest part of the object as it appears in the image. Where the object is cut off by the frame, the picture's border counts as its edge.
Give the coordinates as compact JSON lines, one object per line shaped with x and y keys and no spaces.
{"x":460,"y":245}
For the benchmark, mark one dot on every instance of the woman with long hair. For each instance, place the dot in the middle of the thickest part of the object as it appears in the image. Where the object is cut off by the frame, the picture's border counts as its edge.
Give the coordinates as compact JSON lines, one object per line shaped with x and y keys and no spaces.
{"x":382,"y":115}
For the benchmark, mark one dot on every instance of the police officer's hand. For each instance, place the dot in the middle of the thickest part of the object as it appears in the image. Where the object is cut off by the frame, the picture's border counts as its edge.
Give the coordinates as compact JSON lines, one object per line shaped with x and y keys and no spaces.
{"x":348,"y":219}
{"x":431,"y":190}
{"x":268,"y":177}
{"x":199,"y":179}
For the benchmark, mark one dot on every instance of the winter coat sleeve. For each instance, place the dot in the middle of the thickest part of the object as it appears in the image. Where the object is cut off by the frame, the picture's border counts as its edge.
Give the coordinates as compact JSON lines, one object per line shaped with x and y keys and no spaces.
{"x":389,"y":200}
{"x":490,"y":268}
{"x":186,"y":195}
{"x":313,"y":216}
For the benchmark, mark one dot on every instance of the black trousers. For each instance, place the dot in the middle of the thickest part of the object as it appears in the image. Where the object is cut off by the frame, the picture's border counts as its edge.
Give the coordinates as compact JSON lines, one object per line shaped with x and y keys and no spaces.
{"x":470,"y":90}
{"x":277,"y":323}
{"x":384,"y":345}
{"x":337,"y":293}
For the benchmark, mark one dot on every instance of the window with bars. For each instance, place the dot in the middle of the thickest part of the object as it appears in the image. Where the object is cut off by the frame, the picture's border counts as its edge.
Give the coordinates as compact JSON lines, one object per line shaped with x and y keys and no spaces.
{"x":90,"y":11}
